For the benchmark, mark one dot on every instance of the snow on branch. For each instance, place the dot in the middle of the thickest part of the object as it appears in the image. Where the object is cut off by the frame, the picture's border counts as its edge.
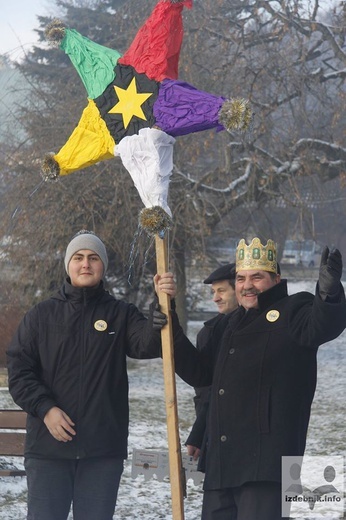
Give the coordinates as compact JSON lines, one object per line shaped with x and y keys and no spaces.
{"x":317,"y":144}
{"x":329,"y":35}
{"x":337,"y":74}
{"x":235,"y":184}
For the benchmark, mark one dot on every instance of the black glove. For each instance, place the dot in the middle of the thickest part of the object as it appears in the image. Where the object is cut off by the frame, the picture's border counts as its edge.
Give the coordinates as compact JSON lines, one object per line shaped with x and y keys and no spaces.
{"x":159,"y":318}
{"x":330,"y":273}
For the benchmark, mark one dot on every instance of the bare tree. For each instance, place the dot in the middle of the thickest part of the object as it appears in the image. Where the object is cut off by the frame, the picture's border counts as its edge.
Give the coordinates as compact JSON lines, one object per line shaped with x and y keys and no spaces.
{"x":288,"y":60}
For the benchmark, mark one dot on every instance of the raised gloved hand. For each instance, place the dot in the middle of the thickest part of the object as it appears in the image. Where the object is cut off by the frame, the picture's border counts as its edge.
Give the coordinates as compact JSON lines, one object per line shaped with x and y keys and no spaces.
{"x":330,"y":273}
{"x":159,"y":318}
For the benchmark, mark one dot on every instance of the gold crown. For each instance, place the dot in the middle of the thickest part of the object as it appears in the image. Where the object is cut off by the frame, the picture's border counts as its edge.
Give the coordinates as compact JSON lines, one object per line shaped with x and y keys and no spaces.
{"x":256,"y":256}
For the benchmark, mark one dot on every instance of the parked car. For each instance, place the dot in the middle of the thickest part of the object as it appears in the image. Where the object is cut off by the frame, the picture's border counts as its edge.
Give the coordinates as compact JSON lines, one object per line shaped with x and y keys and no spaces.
{"x":306,"y":253}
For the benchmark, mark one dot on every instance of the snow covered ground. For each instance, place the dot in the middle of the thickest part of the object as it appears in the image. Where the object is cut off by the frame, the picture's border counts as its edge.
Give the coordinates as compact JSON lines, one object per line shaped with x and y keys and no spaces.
{"x":145,"y":500}
{"x":150,"y":500}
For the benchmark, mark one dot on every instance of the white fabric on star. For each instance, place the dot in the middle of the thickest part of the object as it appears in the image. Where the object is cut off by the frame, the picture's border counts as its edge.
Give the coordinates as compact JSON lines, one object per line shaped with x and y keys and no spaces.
{"x":148,"y":157}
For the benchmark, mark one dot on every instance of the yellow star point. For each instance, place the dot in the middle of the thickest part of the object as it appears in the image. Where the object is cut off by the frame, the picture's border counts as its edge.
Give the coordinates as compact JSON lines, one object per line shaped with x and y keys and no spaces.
{"x":130,"y":102}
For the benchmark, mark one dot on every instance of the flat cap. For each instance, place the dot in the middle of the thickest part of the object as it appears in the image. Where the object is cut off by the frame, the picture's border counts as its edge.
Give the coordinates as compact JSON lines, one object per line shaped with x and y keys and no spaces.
{"x":225,"y":272}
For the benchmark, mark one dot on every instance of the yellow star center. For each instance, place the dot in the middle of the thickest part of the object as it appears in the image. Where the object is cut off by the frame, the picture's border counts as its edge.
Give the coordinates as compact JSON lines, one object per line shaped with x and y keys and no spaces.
{"x":130,"y":102}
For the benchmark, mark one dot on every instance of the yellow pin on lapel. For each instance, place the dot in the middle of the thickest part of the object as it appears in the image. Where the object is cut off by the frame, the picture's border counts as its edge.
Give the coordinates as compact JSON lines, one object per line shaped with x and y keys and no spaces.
{"x":100,"y":325}
{"x":272,"y":315}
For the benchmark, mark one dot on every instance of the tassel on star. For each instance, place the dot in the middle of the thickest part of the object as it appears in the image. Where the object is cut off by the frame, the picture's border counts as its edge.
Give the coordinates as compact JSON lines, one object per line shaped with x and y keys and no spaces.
{"x":50,"y":169}
{"x":235,"y":114}
{"x":55,"y":32}
{"x":154,"y":220}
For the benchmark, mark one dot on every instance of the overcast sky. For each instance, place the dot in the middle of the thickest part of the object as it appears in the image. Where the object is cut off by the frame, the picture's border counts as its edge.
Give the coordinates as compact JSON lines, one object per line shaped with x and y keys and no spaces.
{"x":17,"y":23}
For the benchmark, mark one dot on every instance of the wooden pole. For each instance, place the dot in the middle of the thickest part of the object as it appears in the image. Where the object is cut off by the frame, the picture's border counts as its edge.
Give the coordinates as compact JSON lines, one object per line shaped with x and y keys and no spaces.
{"x":176,"y":471}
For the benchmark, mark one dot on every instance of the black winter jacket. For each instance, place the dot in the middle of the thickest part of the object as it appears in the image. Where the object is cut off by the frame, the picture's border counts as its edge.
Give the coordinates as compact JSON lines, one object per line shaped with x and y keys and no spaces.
{"x":262,"y":365}
{"x":203,"y":337}
{"x":70,"y":351}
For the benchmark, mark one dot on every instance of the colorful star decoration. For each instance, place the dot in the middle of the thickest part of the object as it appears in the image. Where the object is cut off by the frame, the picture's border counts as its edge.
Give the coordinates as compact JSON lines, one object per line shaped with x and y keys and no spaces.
{"x":137,"y":106}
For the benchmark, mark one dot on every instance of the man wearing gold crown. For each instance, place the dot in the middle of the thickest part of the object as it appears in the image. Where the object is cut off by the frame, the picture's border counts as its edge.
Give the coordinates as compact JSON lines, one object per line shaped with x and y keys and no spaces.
{"x":261,"y":362}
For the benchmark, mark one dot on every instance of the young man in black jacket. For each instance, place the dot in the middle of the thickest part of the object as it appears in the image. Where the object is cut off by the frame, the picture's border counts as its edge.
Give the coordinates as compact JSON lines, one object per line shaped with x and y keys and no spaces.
{"x":67,"y":370}
{"x":262,"y":365}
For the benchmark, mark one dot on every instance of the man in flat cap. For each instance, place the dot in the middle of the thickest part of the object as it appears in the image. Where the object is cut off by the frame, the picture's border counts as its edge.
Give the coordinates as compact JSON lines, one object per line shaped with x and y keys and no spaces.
{"x":222,"y":282}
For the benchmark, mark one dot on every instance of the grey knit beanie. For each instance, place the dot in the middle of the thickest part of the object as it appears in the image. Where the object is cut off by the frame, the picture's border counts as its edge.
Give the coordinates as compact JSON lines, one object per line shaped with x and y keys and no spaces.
{"x":86,"y":240}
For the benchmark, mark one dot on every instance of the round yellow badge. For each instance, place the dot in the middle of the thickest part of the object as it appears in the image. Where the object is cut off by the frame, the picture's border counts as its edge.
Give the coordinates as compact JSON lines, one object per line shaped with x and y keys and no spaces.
{"x":272,"y":315}
{"x":100,"y":325}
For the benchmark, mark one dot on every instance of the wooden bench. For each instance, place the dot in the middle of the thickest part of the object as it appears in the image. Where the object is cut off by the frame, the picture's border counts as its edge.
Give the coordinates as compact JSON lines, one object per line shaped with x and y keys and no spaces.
{"x":12,"y":440}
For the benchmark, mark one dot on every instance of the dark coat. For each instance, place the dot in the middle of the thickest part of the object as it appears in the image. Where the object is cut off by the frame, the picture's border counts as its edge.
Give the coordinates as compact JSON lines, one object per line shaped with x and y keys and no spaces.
{"x":203,"y":337}
{"x":263,"y":372}
{"x":58,"y":357}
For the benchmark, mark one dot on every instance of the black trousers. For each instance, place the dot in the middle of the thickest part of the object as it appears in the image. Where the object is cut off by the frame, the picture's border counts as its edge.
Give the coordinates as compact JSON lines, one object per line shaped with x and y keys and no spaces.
{"x":251,"y":501}
{"x":91,"y":485}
